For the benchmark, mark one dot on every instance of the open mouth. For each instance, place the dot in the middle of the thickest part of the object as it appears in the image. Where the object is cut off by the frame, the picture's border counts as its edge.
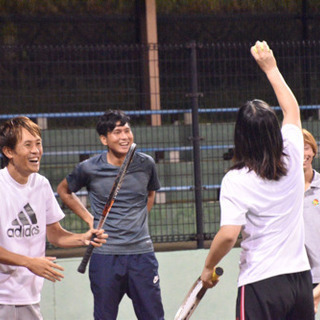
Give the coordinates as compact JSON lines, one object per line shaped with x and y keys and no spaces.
{"x":124,"y":145}
{"x":34,"y":160}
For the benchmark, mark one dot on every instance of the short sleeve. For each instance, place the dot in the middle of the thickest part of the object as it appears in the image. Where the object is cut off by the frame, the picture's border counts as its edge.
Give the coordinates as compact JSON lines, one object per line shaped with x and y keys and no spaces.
{"x":53,"y":210}
{"x":154,"y":183}
{"x":77,"y":178}
{"x":232,"y":204}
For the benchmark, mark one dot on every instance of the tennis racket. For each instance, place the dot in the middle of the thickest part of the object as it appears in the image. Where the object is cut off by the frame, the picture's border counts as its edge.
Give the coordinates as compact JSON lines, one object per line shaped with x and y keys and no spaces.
{"x":111,"y":198}
{"x":194,"y":297}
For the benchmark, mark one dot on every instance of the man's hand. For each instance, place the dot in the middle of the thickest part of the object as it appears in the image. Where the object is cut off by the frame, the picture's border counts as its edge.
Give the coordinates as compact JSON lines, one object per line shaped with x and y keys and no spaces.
{"x":99,"y":239}
{"x":46,"y":268}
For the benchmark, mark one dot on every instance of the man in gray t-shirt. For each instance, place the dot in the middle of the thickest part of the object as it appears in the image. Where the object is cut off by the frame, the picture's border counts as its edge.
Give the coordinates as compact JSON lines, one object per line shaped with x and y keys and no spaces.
{"x":126,"y":264}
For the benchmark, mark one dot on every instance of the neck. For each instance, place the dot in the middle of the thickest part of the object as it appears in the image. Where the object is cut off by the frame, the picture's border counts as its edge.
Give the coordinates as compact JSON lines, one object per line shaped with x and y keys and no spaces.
{"x":16,"y":175}
{"x":114,"y":159}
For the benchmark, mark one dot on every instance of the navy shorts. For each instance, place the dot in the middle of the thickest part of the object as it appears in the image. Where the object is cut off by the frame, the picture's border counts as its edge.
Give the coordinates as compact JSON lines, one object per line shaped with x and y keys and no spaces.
{"x":283,"y":297}
{"x":113,"y":276}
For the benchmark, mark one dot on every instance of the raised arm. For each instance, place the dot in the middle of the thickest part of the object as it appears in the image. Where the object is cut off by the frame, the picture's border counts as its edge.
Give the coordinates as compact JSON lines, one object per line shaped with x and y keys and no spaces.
{"x":73,"y":202}
{"x":287,"y":101}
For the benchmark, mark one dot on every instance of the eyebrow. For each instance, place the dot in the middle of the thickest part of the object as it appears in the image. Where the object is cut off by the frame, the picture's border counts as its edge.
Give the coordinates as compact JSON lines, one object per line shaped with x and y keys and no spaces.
{"x":120,"y":127}
{"x":38,"y":139}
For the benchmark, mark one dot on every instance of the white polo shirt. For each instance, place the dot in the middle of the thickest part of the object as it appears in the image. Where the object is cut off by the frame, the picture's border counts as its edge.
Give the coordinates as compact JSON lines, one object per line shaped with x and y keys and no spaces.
{"x":311,"y":214}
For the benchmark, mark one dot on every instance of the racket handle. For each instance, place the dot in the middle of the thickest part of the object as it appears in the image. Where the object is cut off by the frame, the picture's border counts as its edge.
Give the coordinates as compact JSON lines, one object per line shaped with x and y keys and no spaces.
{"x":83,"y":265}
{"x":218,"y":271}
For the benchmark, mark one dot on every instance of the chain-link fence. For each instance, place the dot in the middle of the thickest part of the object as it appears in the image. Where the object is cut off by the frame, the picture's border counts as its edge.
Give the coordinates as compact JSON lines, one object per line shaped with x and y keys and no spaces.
{"x":165,"y":89}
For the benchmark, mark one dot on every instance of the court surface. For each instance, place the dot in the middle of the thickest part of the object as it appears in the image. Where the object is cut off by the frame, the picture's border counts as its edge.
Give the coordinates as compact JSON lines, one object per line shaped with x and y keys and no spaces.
{"x":72,"y":299}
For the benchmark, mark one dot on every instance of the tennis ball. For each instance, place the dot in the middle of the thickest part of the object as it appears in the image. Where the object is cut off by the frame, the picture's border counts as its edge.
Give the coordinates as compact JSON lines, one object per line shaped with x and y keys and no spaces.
{"x":261,"y":46}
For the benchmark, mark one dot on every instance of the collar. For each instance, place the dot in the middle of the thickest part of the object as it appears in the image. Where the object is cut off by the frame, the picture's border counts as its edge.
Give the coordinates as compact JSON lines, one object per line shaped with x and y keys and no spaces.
{"x":315,"y":183}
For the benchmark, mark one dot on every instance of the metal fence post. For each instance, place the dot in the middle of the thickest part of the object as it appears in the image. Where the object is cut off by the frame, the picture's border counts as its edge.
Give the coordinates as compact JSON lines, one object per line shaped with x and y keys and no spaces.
{"x":194,"y":95}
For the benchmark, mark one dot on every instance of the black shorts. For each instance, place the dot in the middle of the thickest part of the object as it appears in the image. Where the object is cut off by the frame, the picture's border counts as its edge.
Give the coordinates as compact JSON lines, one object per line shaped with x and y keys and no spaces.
{"x":283,"y":297}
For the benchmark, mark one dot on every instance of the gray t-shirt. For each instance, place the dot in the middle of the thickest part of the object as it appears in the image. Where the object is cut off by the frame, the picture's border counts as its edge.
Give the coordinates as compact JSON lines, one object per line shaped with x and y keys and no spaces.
{"x":127,"y":221}
{"x":311,"y":214}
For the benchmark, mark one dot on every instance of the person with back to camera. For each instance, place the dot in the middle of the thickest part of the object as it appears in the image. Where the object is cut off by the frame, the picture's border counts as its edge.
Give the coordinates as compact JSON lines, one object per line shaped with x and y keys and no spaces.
{"x":127,"y":265}
{"x":262,"y":197}
{"x":29,"y":214}
{"x":311,"y":212}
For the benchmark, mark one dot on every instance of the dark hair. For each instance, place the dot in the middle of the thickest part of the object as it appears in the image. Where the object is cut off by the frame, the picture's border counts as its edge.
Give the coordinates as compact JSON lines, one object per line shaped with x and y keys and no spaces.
{"x":108,"y":121}
{"x":258,"y":143}
{"x":11,"y":131}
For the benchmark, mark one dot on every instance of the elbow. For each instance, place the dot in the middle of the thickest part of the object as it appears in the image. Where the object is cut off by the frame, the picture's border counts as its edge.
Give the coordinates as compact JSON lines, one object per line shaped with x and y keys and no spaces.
{"x":229,"y":241}
{"x":60,"y":189}
{"x":63,"y":189}
{"x":229,"y":235}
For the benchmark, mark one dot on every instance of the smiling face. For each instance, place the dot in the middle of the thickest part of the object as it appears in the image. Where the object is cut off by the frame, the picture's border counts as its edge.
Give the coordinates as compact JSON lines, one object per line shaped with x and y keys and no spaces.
{"x":308,"y":156}
{"x":118,"y":141}
{"x":25,"y":158}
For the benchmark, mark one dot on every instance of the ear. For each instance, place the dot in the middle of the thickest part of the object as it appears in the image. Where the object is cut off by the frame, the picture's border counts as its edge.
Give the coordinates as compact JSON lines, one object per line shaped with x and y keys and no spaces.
{"x":104,"y":140}
{"x":7,"y":152}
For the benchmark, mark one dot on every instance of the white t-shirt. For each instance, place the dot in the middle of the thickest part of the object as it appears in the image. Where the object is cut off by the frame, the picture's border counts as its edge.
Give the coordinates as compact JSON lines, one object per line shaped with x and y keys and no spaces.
{"x":270,"y":213}
{"x":25,"y":212}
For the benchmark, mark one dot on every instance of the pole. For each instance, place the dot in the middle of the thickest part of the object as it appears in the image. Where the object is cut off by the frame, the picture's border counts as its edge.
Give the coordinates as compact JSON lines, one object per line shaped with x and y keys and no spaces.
{"x":196,"y":144}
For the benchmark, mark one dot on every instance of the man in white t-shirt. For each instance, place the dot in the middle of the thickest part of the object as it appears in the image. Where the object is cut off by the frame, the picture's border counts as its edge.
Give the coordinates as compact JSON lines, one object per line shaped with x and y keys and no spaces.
{"x":29,"y":214}
{"x":262,"y":197}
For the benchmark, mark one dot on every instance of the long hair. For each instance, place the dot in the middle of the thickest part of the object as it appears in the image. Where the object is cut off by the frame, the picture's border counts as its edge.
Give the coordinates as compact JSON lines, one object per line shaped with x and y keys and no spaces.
{"x":258,"y":141}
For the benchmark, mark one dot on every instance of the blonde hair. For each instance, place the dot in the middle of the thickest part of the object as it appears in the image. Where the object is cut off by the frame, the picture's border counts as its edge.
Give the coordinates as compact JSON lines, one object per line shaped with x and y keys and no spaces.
{"x":309,"y":139}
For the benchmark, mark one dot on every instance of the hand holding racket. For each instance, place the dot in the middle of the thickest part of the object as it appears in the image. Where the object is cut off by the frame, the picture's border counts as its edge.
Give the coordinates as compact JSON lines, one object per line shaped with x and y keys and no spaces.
{"x":111,"y":198}
{"x":194,"y":296}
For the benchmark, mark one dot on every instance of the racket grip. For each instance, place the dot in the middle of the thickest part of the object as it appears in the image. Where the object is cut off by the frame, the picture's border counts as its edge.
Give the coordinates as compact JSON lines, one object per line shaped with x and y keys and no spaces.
{"x":217,"y":272}
{"x":83,"y":265}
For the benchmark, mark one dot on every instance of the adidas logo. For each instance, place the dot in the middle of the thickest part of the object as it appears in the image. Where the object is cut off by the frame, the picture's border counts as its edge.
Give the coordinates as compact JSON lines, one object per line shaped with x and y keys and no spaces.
{"x":25,"y":225}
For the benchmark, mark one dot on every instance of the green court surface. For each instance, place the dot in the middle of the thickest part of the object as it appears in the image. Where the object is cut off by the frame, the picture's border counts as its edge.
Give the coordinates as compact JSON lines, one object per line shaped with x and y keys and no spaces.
{"x":72,"y":299}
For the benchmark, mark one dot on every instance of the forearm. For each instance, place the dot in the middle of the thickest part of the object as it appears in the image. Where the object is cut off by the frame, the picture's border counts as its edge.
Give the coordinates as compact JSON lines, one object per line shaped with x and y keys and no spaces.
{"x":316,"y":291}
{"x":73,"y":202}
{"x":286,"y":99}
{"x":13,"y":259}
{"x":222,"y":243}
{"x":62,"y":238}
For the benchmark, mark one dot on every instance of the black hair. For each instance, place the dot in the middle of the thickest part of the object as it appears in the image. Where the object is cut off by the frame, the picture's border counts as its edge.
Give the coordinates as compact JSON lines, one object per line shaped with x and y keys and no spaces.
{"x":258,"y":143}
{"x":108,"y":121}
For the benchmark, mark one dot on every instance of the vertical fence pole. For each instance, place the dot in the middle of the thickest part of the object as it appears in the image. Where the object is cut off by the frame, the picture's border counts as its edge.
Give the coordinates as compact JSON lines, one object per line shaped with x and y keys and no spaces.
{"x":196,"y":143}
